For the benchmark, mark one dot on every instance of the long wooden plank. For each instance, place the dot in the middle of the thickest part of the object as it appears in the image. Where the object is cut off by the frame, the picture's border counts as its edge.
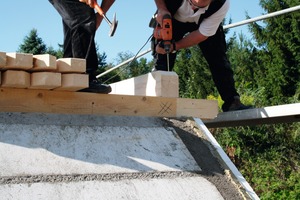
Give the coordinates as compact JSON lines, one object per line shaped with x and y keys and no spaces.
{"x":28,"y":100}
{"x":287,"y":113}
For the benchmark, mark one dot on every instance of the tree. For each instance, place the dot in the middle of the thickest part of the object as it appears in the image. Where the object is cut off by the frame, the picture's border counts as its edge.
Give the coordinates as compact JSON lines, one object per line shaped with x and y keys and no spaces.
{"x":57,"y":53}
{"x":279,"y":41}
{"x":133,"y":68}
{"x":33,"y":44}
{"x":195,"y":80}
{"x":112,"y":76}
{"x":243,"y":56}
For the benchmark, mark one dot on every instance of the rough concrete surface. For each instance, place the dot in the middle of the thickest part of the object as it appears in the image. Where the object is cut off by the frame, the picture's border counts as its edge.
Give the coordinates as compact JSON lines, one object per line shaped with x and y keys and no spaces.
{"x":52,"y":156}
{"x":212,"y":167}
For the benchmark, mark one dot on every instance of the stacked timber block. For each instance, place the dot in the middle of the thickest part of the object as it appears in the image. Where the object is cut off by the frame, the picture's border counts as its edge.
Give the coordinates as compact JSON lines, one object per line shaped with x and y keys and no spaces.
{"x":157,"y":84}
{"x":28,"y":71}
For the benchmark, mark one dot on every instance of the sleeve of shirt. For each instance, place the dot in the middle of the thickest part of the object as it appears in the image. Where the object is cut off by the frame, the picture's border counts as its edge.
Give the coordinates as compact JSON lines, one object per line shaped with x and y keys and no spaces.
{"x":209,"y":26}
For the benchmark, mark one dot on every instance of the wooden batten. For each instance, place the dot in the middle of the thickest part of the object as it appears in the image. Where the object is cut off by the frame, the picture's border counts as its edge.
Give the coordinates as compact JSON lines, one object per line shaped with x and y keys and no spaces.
{"x":48,"y":101}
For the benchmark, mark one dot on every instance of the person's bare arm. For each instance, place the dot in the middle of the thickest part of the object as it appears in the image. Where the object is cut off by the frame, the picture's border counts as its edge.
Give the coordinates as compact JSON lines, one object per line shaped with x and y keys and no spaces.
{"x":190,"y":40}
{"x":89,"y":2}
{"x":105,"y":5}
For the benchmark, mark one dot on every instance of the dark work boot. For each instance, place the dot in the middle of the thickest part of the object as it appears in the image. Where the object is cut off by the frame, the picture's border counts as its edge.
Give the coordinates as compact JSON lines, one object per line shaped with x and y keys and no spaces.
{"x":96,"y":87}
{"x":235,"y":105}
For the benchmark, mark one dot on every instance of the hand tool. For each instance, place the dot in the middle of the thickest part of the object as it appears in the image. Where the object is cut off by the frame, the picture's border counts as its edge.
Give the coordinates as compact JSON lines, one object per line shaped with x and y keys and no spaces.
{"x":164,"y":33}
{"x":113,"y":25}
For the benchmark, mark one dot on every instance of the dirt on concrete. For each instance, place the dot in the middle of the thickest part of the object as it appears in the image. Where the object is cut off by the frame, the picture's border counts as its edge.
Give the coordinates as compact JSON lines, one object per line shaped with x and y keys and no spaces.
{"x":213,"y":169}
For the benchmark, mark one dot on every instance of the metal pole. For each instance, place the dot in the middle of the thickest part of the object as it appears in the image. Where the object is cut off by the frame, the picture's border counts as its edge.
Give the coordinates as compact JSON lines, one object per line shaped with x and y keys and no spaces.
{"x":262,"y":17}
{"x":123,"y":63}
{"x":226,"y":159}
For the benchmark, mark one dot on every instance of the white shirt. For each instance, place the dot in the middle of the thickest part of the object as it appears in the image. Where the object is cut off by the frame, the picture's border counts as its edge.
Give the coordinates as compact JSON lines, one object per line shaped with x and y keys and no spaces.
{"x":209,"y":25}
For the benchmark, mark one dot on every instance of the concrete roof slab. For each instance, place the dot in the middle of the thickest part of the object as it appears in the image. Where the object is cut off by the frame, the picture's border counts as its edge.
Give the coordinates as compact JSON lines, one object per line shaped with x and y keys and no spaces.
{"x":52,"y":149}
{"x":166,"y":189}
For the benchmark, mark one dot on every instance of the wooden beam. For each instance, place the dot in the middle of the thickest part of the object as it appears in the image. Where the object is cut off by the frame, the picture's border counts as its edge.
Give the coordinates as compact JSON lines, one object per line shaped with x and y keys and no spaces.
{"x":2,"y":59}
{"x":27,"y":100}
{"x":157,"y":83}
{"x":15,"y":79}
{"x":19,"y":61}
{"x":73,"y":82}
{"x":71,"y":65}
{"x":44,"y":62}
{"x":268,"y":115}
{"x":45,"y":80}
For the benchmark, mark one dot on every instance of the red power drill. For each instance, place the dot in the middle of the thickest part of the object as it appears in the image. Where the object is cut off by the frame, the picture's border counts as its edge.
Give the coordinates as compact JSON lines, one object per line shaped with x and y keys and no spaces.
{"x":164,"y":33}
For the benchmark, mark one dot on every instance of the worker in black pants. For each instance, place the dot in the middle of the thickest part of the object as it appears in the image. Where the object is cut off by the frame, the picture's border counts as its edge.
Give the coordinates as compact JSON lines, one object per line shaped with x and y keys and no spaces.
{"x":198,"y":22}
{"x":80,"y":23}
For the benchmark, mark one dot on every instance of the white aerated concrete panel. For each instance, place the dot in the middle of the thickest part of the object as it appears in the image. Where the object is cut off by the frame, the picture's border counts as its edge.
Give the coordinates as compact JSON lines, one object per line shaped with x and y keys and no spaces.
{"x":65,"y":149}
{"x":189,"y":188}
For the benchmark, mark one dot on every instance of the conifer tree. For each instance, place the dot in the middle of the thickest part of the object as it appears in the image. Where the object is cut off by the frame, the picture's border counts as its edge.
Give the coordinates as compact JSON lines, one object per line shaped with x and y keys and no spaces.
{"x":33,"y":44}
{"x":279,"y":41}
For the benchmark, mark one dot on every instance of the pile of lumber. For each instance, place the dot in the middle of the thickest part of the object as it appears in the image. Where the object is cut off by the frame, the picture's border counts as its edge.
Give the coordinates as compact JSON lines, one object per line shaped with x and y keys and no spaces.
{"x":46,"y":72}
{"x":37,"y":83}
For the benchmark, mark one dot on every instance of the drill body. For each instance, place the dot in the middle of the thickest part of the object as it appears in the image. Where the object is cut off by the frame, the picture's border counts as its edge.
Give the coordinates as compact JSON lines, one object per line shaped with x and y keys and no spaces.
{"x":164,"y":33}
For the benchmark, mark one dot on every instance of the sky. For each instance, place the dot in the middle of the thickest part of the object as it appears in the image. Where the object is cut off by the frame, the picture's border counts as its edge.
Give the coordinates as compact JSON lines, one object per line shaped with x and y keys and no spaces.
{"x":19,"y":17}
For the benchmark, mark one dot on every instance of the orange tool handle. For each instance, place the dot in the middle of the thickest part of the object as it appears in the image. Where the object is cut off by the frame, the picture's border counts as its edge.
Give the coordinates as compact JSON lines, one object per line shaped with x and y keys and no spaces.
{"x":99,"y":9}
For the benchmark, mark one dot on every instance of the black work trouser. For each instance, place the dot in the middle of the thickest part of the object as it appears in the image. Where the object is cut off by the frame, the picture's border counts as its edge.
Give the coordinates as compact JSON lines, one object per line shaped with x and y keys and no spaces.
{"x":214,"y":51}
{"x":79,"y":27}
